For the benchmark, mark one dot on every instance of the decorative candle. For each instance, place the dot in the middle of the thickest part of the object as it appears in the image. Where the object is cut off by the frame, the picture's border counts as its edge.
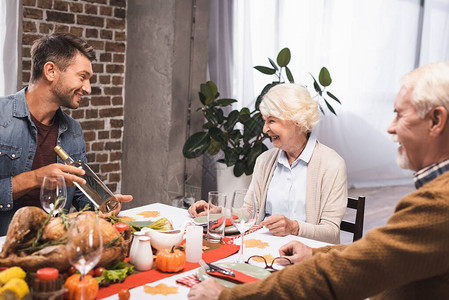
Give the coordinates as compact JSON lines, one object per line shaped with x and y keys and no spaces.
{"x":194,"y":243}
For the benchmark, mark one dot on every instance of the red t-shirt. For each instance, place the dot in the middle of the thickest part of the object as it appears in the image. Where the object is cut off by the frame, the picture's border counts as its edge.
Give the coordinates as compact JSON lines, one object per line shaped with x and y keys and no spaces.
{"x":47,"y":136}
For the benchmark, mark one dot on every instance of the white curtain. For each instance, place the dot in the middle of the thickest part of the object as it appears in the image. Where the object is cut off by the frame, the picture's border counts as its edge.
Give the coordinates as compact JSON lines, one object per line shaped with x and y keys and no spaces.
{"x":9,"y":16}
{"x":367,"y":45}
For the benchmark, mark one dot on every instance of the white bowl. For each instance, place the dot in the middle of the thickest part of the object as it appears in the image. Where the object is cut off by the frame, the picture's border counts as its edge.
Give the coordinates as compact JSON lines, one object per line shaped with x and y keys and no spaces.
{"x":164,"y":240}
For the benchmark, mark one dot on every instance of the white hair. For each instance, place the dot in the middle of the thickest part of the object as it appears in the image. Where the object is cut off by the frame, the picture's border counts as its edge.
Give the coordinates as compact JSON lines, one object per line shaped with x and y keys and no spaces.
{"x":289,"y":101}
{"x":429,"y":86}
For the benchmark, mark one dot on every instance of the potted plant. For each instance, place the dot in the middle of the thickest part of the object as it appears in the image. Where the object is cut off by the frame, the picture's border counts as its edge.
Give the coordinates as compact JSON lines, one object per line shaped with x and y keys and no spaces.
{"x":240,"y":134}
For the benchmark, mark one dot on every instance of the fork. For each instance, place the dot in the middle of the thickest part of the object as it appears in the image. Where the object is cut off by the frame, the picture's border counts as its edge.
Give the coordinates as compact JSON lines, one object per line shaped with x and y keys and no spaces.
{"x":208,"y":267}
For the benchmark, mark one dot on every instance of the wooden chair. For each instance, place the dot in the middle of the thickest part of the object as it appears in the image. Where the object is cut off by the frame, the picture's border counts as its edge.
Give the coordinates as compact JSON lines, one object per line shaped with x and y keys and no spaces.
{"x":357,"y":227}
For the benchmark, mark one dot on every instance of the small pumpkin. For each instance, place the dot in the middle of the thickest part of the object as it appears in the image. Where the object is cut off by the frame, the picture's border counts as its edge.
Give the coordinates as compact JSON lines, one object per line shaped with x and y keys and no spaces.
{"x":172,"y":260}
{"x":74,"y":285}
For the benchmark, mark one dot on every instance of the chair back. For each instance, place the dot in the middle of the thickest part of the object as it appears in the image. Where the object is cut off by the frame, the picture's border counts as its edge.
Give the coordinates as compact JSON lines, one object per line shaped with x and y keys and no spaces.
{"x":355,"y":227}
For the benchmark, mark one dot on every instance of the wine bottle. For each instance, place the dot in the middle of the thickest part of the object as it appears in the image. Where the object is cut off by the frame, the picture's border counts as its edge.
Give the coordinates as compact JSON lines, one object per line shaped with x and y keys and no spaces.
{"x":94,"y":189}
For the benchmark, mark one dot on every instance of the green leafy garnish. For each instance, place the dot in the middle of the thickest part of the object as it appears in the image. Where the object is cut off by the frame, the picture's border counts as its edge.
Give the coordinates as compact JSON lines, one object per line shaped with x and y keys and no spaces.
{"x":117,"y":273}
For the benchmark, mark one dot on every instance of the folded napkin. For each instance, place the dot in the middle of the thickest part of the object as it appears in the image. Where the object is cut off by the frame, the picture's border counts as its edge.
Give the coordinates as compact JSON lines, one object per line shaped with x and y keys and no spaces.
{"x":188,"y":281}
{"x":239,"y":276}
{"x":229,"y":240}
{"x":220,"y":221}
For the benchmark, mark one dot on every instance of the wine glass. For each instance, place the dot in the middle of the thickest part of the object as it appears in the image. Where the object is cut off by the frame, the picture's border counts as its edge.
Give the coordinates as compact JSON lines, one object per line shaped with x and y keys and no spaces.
{"x":53,"y":194}
{"x":84,"y":244}
{"x":243,"y":214}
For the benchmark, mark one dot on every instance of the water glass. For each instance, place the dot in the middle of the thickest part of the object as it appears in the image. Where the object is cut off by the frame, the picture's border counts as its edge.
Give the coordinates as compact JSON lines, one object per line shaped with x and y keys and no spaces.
{"x":216,"y":216}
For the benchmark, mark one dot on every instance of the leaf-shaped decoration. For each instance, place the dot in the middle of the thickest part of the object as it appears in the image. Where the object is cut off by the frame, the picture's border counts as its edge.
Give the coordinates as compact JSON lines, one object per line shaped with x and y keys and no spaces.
{"x":273,"y":64}
{"x":265,"y":70}
{"x":324,"y":77}
{"x":213,"y":89}
{"x":226,"y":101}
{"x":333,"y":97}
{"x":284,"y":57}
{"x":330,"y":107}
{"x":196,"y":145}
{"x":289,"y":75}
{"x":233,"y":118}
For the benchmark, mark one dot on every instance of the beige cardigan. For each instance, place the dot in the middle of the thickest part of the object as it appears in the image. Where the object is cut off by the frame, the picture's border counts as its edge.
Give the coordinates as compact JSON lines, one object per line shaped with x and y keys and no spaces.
{"x":326,"y":194}
{"x":408,"y":258}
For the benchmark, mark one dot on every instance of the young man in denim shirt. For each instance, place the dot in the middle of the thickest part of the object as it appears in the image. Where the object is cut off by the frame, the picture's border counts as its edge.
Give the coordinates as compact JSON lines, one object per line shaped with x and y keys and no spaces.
{"x":32,"y":124}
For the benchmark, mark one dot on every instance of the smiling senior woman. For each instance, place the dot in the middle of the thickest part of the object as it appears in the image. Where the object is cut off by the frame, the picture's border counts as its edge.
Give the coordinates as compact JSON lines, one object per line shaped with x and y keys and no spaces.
{"x":300,"y":185}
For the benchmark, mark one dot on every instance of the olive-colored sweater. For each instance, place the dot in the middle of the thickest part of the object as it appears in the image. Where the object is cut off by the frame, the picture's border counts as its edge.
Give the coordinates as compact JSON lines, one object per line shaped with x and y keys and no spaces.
{"x":408,"y":258}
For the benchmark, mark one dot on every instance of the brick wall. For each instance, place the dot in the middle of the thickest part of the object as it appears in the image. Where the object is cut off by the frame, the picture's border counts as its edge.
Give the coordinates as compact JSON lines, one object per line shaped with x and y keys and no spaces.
{"x":103,"y":24}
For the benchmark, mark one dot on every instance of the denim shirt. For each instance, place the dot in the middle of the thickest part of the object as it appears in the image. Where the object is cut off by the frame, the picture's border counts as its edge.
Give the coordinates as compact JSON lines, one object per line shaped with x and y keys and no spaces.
{"x":18,"y":137}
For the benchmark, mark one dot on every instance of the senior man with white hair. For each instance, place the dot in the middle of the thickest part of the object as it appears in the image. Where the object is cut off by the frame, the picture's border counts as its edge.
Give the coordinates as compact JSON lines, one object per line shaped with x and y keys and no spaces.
{"x":408,"y":258}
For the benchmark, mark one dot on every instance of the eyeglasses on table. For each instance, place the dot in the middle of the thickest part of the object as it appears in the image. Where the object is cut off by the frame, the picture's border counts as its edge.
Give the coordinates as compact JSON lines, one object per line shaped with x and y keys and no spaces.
{"x":276,"y":264}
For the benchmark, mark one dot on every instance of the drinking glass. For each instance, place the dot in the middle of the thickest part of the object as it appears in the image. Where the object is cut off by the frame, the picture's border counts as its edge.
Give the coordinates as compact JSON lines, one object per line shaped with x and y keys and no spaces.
{"x":53,"y":194}
{"x":84,"y":245}
{"x":243,"y":212}
{"x":216,"y":216}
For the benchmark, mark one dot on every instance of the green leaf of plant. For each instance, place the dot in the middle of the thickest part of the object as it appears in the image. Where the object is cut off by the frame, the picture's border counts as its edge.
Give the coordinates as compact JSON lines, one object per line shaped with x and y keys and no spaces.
{"x":273,"y":64}
{"x":330,"y":107}
{"x":265,"y":70}
{"x":333,"y":97}
{"x":324,"y":77}
{"x":316,"y":86}
{"x":202,"y":98}
{"x":214,"y":147}
{"x":207,"y":125}
{"x":213,"y":89}
{"x":254,"y":153}
{"x":239,"y":168}
{"x":245,"y":115}
{"x":226,"y":102}
{"x":219,"y":113}
{"x":207,"y":92}
{"x":289,"y":75}
{"x":211,"y":116}
{"x":233,"y":118}
{"x":196,"y":145}
{"x":231,"y":157}
{"x":284,"y":57}
{"x":217,"y":135}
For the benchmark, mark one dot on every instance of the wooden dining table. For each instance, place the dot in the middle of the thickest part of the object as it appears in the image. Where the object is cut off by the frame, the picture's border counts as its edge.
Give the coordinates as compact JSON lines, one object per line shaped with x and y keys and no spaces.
{"x":269,"y":244}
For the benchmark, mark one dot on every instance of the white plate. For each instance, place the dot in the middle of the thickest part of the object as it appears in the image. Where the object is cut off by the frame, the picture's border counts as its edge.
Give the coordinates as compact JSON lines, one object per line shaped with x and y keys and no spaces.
{"x":202,"y":221}
{"x":251,"y":270}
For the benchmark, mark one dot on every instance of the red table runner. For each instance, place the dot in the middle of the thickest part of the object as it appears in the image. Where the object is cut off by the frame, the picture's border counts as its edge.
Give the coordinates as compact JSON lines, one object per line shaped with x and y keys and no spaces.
{"x":142,"y":278}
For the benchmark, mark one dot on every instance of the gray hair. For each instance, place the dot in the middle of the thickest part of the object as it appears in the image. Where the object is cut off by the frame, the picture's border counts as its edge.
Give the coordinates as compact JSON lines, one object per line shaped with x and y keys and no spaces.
{"x":289,"y":101}
{"x":429,"y":86}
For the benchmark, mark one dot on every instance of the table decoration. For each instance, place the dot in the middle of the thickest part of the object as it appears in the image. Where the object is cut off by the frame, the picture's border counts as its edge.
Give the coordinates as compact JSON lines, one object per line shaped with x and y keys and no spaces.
{"x":138,"y":279}
{"x":161,"y":288}
{"x":253,"y":243}
{"x":149,"y":214}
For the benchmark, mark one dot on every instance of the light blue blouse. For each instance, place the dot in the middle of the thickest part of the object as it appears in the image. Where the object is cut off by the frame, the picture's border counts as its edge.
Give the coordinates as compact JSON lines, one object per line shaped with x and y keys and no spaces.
{"x":287,"y":190}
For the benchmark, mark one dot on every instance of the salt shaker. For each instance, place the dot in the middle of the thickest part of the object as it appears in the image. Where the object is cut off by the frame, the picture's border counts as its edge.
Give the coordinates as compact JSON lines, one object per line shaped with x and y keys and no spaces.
{"x":134,"y":244}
